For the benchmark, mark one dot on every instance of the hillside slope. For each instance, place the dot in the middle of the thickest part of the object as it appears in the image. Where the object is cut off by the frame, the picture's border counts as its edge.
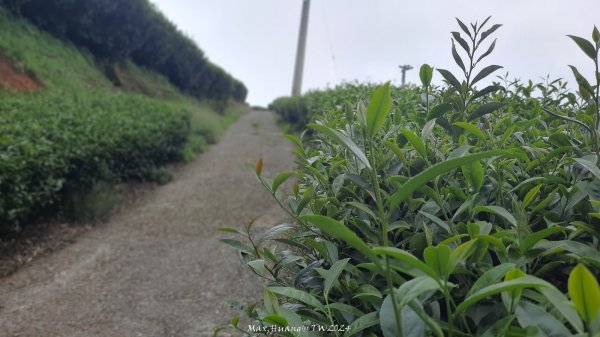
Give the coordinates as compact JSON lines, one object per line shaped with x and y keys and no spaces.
{"x":64,"y":126}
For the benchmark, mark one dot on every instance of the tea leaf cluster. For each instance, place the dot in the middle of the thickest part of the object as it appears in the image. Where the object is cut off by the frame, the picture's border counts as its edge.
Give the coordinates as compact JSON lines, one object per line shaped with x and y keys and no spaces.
{"x":438,"y":211}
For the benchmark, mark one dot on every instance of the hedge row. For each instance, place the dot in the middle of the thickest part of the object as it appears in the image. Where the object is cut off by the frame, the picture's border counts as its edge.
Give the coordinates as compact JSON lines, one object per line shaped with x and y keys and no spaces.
{"x":52,"y":140}
{"x":299,"y":110}
{"x":115,"y":30}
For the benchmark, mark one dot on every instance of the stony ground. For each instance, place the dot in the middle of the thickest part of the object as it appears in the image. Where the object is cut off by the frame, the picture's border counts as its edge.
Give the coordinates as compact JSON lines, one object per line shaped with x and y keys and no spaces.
{"x":157,"y":268}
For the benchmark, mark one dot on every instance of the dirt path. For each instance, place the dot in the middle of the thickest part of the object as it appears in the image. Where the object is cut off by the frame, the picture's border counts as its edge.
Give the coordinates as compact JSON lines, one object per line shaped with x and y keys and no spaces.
{"x":157,"y":269}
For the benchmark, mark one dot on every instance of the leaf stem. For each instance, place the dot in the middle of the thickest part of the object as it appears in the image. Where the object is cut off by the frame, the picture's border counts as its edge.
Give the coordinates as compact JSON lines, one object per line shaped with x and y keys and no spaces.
{"x":384,"y":235}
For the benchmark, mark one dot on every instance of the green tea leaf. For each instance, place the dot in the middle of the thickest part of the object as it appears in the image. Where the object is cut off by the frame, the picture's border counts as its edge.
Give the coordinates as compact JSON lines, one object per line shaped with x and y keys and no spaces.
{"x":258,"y":266}
{"x":332,"y":275}
{"x":407,"y":257}
{"x":340,"y":231}
{"x":464,"y":27}
{"x":531,"y":194}
{"x":275,"y":320}
{"x":363,"y":208}
{"x":294,"y":139}
{"x":585,"y":252}
{"x":460,"y":254}
{"x":515,"y":294}
{"x":427,"y":129}
{"x":497,"y":210}
{"x":366,"y":291}
{"x":270,"y":301}
{"x":584,"y":292}
{"x":583,"y":83}
{"x":397,"y":150}
{"x":485,"y":72}
{"x":432,"y":172}
{"x":441,"y":223}
{"x":450,"y":79}
{"x":412,"y":289}
{"x":411,"y":323}
{"x":589,"y":165}
{"x":416,"y":142}
{"x":342,"y":140}
{"x":273,"y":232}
{"x":461,"y":41}
{"x":280,"y":179}
{"x":500,"y":328}
{"x":438,"y":259}
{"x":378,"y":109}
{"x":439,"y":110}
{"x":484,"y":109}
{"x":230,"y":230}
{"x":294,"y":321}
{"x":472,"y":128}
{"x":306,"y":198}
{"x":488,"y":32}
{"x":531,"y":240}
{"x":529,"y":314}
{"x":490,"y":277}
{"x":362,"y":323}
{"x":457,"y":58}
{"x":519,"y":283}
{"x":585,"y":45}
{"x":485,"y":91}
{"x":563,"y":306}
{"x":426,"y":74}
{"x":489,"y":51}
{"x":237,"y":245}
{"x":345,"y":308}
{"x":298,"y":295}
{"x":473,"y":172}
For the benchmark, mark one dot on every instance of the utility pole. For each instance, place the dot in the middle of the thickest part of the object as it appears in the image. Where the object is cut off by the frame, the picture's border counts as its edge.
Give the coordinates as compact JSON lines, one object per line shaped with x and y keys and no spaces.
{"x":404,"y":68}
{"x":299,"y":68}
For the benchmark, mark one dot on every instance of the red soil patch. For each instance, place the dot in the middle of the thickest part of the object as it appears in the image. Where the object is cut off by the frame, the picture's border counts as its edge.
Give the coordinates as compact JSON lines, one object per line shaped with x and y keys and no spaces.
{"x":13,"y":79}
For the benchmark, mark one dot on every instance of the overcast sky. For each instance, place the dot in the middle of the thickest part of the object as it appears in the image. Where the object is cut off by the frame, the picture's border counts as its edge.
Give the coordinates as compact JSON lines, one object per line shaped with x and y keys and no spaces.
{"x":366,"y":40}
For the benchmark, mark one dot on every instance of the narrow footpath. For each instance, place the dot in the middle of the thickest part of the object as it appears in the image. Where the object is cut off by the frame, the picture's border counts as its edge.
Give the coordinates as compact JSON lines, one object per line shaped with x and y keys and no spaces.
{"x":157,"y":268}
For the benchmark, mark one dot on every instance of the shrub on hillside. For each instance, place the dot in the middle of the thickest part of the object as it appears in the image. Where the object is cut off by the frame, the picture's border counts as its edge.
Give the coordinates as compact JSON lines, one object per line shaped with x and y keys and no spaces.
{"x":116,"y":30}
{"x":52,"y":141}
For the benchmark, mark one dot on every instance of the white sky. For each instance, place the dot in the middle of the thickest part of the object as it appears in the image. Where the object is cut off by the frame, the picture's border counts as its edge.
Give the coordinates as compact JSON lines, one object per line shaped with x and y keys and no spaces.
{"x":255,"y":40}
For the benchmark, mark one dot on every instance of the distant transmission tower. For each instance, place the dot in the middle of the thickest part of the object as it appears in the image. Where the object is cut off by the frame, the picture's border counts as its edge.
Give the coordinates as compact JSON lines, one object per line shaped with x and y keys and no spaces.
{"x":297,"y":84}
{"x":404,"y":68}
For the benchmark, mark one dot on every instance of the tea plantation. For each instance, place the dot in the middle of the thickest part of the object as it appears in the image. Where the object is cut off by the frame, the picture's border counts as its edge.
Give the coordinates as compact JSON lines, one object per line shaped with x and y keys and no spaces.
{"x":81,"y":129}
{"x":453,"y":210}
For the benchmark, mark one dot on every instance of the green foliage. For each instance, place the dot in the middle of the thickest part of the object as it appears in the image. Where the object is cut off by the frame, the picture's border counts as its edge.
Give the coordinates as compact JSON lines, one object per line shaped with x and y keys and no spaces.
{"x":53,"y":139}
{"x":90,"y":203}
{"x":79,"y":135}
{"x":116,"y":30}
{"x":291,"y":110}
{"x":464,"y":212}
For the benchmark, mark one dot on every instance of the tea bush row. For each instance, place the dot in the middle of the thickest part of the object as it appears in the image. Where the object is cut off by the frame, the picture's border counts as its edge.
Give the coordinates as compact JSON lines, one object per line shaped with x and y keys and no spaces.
{"x":132,"y":29}
{"x":297,"y":111}
{"x":54,"y":140}
{"x":438,"y":211}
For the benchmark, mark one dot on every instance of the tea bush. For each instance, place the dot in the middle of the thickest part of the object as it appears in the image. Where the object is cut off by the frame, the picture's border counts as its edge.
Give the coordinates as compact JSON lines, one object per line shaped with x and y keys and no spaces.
{"x":50,"y":139}
{"x":452,"y":211}
{"x":80,"y":134}
{"x":298,"y":111}
{"x":118,"y":30}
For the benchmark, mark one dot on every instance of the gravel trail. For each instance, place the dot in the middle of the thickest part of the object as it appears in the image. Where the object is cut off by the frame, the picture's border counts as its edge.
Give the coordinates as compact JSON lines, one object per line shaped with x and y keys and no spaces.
{"x":157,"y":268}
